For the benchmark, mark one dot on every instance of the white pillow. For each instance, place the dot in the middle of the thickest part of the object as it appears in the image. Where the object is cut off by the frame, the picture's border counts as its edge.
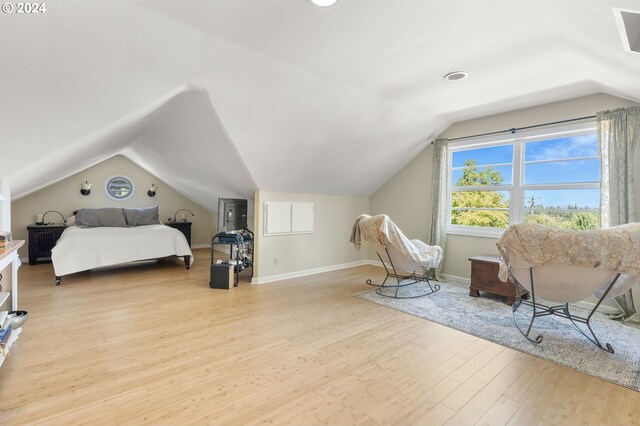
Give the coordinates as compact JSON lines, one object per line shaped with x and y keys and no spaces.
{"x":71,"y":220}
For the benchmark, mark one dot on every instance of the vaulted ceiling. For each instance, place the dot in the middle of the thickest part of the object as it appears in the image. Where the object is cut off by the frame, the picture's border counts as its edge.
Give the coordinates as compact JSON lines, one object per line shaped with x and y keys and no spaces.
{"x":221,"y":97}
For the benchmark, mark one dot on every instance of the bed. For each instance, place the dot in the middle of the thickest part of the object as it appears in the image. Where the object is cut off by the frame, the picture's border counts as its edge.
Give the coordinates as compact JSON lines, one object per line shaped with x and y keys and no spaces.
{"x":81,"y":248}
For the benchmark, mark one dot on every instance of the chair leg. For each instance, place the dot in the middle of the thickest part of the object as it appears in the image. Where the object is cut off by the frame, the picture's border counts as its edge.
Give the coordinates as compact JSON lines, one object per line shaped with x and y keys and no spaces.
{"x":532,"y":303}
{"x":562,"y":311}
{"x":393,"y":273}
{"x":575,"y":319}
{"x":414,"y":280}
{"x":389,"y":274}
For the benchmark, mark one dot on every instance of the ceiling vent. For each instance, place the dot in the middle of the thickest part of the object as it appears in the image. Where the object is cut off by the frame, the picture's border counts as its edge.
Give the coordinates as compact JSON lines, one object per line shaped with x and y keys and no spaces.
{"x":629,"y":26}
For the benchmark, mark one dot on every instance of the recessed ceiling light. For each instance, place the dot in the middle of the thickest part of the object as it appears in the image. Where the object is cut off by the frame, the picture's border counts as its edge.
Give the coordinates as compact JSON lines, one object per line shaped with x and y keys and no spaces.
{"x":323,"y":3}
{"x":456,"y":75}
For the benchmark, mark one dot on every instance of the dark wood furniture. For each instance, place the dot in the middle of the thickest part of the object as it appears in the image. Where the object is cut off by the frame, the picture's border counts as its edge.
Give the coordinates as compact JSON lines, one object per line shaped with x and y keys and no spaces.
{"x":484,"y":277}
{"x":184,"y":227}
{"x":42,"y":238}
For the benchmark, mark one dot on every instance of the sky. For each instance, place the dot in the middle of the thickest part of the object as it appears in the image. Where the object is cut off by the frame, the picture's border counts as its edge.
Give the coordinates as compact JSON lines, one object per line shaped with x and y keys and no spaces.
{"x":571,"y":170}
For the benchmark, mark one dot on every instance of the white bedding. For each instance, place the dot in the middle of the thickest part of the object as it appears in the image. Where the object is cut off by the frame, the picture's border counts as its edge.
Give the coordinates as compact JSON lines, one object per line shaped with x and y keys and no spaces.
{"x":80,"y":249}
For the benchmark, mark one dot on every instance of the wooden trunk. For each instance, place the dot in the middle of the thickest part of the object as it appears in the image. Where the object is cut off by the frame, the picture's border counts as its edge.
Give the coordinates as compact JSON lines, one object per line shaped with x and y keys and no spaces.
{"x":484,"y":277}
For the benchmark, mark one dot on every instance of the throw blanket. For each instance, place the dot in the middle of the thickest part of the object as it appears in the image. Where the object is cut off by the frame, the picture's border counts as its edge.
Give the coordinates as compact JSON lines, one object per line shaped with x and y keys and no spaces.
{"x":528,"y":244}
{"x":356,"y":237}
{"x":381,"y":230}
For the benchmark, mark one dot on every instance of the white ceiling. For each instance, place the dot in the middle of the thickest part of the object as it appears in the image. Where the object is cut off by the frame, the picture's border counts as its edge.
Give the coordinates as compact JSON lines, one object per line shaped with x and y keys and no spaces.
{"x":218,"y":98}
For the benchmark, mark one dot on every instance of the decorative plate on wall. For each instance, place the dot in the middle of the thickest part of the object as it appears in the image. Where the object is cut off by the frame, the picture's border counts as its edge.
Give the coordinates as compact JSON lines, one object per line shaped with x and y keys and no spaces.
{"x":119,"y":187}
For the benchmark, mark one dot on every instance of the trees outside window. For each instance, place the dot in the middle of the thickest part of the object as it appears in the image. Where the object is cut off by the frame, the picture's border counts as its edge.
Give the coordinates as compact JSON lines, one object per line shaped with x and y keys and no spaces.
{"x":479,"y":208}
{"x":553,"y":181}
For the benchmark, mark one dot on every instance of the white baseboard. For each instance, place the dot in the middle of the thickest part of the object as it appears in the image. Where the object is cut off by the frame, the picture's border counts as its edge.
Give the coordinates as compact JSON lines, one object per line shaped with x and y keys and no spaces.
{"x":602,"y":308}
{"x":218,"y":247}
{"x":303,"y":273}
{"x":272,"y":278}
{"x":584,"y":304}
{"x":605,"y":309}
{"x":462,"y":280}
{"x":374,"y":262}
{"x":222,"y":248}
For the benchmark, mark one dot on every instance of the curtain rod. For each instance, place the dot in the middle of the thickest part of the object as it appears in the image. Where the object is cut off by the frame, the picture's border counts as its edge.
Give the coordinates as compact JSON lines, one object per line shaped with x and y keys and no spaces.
{"x":515,"y":129}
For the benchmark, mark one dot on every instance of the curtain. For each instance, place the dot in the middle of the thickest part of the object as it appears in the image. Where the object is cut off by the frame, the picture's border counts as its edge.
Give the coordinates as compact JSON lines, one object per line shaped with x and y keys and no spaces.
{"x":438,"y":236}
{"x":618,"y":134}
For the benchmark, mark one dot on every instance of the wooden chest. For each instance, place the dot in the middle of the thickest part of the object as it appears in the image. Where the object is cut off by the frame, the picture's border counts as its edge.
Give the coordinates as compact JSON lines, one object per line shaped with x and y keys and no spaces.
{"x":484,"y":277}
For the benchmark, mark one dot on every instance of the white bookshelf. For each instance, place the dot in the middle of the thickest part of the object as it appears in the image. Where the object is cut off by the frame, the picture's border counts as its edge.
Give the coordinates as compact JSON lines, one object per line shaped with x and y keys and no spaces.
{"x":4,"y":295}
{"x":9,"y":258}
{"x":10,"y":342}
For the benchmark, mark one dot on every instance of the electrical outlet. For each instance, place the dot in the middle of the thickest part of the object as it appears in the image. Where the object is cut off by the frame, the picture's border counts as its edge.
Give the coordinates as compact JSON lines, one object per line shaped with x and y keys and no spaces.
{"x":275,"y":261}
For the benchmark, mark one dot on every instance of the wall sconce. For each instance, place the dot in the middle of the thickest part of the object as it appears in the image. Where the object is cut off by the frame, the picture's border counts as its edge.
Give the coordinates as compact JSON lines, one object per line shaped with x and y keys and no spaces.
{"x":152,"y":190}
{"x":40,"y":217}
{"x":183,"y":216}
{"x":85,"y":188}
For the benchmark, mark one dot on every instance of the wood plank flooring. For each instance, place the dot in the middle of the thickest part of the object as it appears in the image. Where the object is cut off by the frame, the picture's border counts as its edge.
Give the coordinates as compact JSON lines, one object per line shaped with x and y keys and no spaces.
{"x":152,"y":344}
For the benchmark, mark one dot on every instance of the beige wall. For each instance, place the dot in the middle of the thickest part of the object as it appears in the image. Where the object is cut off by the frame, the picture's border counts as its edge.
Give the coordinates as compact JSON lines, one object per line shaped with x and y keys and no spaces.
{"x":406,"y":197}
{"x":328,"y":245}
{"x":65,"y":197}
{"x":5,"y":205}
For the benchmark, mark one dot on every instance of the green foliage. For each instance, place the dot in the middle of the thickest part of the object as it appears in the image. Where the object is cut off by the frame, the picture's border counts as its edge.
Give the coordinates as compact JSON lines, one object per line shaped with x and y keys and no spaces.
{"x":484,"y":218}
{"x":584,"y":220}
{"x":560,"y":217}
{"x":479,"y":199}
{"x":472,"y":177}
{"x":545,"y":219}
{"x":565,"y":219}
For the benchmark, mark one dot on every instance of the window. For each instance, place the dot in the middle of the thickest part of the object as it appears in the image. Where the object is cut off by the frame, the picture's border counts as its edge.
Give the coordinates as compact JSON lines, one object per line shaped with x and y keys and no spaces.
{"x":550,"y":177}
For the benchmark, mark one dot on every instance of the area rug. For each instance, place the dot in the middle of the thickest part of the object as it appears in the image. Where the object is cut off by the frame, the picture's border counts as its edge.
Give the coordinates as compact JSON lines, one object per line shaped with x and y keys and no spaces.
{"x":489,"y":318}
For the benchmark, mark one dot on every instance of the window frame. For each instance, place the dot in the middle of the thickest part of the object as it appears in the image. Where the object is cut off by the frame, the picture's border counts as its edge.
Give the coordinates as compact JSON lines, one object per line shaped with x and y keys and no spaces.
{"x":517,"y":187}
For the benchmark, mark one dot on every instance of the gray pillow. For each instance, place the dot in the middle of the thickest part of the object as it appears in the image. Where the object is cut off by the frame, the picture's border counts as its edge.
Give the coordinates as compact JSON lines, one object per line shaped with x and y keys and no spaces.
{"x":108,"y":216}
{"x":140,"y":217}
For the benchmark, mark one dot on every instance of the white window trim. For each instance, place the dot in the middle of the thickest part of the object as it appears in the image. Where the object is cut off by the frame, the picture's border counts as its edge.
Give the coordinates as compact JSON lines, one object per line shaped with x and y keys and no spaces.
{"x":517,"y":175}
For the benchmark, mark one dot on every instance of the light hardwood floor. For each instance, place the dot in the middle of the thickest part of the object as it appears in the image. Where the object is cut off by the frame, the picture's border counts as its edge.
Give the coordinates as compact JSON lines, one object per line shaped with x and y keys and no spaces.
{"x":152,"y":344}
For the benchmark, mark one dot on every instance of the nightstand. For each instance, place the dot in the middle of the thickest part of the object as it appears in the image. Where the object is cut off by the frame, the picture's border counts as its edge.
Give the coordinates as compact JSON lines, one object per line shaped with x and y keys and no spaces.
{"x":42,"y":238}
{"x":184,"y":227}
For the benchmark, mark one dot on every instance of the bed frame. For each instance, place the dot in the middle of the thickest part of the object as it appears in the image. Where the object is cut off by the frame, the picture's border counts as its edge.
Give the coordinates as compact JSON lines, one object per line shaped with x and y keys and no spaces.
{"x":187,"y":264}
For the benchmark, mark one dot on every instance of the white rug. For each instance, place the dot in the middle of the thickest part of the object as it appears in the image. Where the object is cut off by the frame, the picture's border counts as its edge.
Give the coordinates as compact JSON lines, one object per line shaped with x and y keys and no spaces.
{"x":490,"y":318}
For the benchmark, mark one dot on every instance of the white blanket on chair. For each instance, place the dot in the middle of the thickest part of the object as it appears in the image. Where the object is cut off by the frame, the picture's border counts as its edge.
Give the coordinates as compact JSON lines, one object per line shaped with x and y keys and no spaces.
{"x":529,"y":244}
{"x":381,"y":229}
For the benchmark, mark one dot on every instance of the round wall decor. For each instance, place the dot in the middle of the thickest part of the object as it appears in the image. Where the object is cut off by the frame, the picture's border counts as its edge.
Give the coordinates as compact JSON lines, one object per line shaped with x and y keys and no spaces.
{"x":119,"y":187}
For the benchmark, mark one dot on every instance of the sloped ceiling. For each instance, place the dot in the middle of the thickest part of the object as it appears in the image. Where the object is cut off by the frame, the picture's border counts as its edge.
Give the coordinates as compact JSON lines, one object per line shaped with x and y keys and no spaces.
{"x":219,"y":98}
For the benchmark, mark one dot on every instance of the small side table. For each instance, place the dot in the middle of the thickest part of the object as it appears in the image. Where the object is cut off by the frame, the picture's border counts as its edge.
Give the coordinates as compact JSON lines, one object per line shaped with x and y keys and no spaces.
{"x":42,"y":238}
{"x":184,"y":227}
{"x":484,"y":277}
